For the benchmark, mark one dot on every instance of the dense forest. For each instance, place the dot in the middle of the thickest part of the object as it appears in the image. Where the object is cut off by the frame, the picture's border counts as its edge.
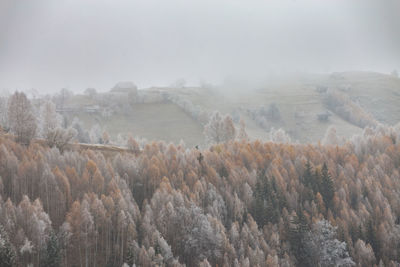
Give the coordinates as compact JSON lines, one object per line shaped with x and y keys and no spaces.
{"x":202,"y":133}
{"x":239,"y":203}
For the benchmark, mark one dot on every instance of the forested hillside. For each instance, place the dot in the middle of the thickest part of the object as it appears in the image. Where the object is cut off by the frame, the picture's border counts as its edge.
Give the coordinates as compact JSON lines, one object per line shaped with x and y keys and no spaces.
{"x":235,"y":204}
{"x":200,"y":133}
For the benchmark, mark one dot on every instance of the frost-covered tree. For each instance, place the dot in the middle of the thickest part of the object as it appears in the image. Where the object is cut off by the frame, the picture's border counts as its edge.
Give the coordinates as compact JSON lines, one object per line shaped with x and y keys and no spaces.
{"x":133,"y":145}
{"x":273,"y":112}
{"x":96,"y":134}
{"x":21,"y":117}
{"x":199,"y":239}
{"x":3,"y":113}
{"x":50,"y":127}
{"x":330,"y":137}
{"x":229,"y":128}
{"x":279,"y":136}
{"x":60,"y":137}
{"x":106,"y":137}
{"x":82,"y":135}
{"x":219,"y":129}
{"x":364,"y":253}
{"x":62,"y":97}
{"x":165,"y":249}
{"x":242,"y":135}
{"x":49,"y":120}
{"x":326,"y":249}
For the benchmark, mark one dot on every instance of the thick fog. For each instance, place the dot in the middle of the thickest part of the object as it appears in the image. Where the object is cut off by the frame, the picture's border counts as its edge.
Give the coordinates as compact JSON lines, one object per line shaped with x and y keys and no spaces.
{"x":47,"y":44}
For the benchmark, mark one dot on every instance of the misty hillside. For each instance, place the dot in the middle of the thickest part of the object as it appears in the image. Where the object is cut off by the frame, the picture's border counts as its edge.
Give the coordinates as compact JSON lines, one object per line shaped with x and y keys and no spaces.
{"x":199,"y":133}
{"x":298,"y":102}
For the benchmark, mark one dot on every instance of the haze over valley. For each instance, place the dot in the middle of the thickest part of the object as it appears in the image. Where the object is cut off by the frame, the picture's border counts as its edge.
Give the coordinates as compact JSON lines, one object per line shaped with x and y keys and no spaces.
{"x":199,"y":133}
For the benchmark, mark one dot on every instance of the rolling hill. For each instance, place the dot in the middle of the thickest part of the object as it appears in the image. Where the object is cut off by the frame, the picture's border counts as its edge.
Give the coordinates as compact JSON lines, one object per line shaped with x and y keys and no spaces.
{"x":299,"y":99}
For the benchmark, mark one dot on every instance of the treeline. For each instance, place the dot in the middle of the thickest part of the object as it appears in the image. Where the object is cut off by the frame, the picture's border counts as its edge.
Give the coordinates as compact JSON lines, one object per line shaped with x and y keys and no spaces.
{"x":341,"y":104}
{"x":265,"y":116}
{"x":235,"y":204}
{"x":27,"y":120}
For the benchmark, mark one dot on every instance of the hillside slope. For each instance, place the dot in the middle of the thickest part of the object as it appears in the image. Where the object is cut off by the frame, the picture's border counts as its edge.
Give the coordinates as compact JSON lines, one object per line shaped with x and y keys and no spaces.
{"x":300,"y":101}
{"x":298,"y":98}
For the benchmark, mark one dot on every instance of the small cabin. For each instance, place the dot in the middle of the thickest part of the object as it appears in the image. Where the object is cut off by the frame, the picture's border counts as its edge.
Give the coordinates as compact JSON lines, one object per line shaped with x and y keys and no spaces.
{"x":92,"y":109}
{"x":125,"y":90}
{"x":324,"y":116}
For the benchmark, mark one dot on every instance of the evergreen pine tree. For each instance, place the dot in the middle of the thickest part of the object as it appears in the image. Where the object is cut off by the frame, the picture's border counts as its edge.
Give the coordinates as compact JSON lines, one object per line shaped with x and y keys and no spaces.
{"x":7,"y":253}
{"x":298,"y":232}
{"x":327,"y":189}
{"x":294,"y":234}
{"x":360,"y":232}
{"x":308,"y":181}
{"x":303,"y":224}
{"x":268,"y":201}
{"x":259,"y":208}
{"x":52,"y":254}
{"x":372,"y":239}
{"x":130,"y":257}
{"x":308,"y":175}
{"x":316,"y":181}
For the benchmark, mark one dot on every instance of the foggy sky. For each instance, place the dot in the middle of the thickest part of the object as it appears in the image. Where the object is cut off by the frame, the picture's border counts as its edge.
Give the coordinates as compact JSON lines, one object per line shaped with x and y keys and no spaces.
{"x":48,"y":44}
